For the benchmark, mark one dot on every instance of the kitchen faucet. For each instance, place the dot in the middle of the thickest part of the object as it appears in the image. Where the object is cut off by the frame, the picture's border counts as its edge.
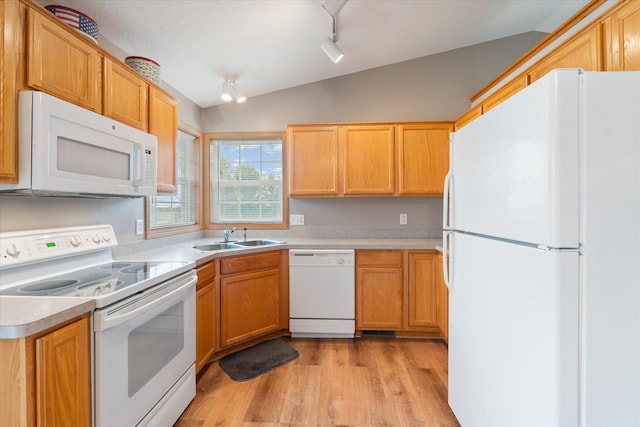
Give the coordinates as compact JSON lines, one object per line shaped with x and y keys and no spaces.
{"x":227,"y":233}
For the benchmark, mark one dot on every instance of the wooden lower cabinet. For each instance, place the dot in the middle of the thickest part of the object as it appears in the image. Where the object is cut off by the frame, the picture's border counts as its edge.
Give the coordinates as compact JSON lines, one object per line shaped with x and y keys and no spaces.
{"x":205,"y":314}
{"x":250,"y":297}
{"x":442,"y":298}
{"x":379,"y":290}
{"x":45,"y":380}
{"x":422,"y":296}
{"x":396,"y":290}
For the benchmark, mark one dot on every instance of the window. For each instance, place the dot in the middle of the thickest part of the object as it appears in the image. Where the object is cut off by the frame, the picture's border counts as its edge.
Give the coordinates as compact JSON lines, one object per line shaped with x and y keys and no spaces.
{"x":246,"y":179}
{"x":179,"y":212}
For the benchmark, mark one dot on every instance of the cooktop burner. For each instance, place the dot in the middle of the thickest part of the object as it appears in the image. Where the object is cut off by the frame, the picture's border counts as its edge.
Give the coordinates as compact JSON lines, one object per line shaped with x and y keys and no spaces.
{"x":95,"y":281}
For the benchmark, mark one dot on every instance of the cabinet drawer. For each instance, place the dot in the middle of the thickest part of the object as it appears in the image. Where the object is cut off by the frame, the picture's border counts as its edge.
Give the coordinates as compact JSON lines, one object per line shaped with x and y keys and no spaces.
{"x":243,"y":264}
{"x":379,"y":258}
{"x":206,"y":273}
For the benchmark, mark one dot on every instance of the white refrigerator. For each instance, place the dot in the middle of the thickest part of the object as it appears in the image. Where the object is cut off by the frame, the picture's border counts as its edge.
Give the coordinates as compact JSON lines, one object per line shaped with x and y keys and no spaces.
{"x":542,"y":237}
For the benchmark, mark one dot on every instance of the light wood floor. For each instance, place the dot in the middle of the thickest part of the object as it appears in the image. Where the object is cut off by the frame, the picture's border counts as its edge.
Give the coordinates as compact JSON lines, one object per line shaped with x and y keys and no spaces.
{"x":334,"y":382}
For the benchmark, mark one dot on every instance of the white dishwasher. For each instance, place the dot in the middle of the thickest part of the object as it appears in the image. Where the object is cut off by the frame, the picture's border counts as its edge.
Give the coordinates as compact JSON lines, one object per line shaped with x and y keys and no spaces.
{"x":322,"y":293}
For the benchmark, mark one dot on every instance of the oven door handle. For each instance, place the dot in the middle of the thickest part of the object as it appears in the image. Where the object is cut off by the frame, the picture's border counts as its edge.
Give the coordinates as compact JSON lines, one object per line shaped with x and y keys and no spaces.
{"x":129,"y":309}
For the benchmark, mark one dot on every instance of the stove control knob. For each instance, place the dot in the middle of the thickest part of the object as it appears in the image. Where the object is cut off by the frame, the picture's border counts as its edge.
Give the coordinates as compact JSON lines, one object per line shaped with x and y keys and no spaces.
{"x":96,"y":238}
{"x":13,"y":250}
{"x":106,"y":237}
{"x":75,"y":241}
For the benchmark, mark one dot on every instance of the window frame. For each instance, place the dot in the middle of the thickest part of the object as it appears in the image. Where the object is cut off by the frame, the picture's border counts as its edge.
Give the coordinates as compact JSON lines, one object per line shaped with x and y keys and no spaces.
{"x":206,"y":199}
{"x":151,"y":233}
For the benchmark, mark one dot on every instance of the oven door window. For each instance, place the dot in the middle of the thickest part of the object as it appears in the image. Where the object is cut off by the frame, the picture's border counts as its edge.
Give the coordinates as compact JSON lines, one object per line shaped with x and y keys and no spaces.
{"x":153,"y":345}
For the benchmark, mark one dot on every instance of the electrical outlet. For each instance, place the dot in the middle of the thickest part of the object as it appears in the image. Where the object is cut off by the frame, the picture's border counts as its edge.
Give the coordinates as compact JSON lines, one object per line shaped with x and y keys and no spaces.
{"x":296,"y":219}
{"x":139,"y":227}
{"x":403,"y":219}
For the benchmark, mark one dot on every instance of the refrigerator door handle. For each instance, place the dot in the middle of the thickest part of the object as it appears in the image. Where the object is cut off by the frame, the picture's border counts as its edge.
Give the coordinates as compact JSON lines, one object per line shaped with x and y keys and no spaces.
{"x":446,"y":200}
{"x":447,"y":260}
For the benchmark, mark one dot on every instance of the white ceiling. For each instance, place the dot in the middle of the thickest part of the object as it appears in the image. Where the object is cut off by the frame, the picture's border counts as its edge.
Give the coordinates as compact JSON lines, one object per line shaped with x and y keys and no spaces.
{"x":268,"y":45}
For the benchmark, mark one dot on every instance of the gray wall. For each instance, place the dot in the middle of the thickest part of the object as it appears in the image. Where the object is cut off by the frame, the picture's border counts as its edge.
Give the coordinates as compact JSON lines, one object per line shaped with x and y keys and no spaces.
{"x":437,"y":87}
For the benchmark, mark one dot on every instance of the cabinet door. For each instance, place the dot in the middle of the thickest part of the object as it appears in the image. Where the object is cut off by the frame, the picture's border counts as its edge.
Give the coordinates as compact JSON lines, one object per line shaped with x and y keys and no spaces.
{"x":422,"y":295}
{"x":368,"y":159}
{"x":622,"y":35}
{"x":11,"y":72}
{"x":423,"y":158}
{"x":125,"y":95}
{"x":62,"y":63}
{"x":584,"y":50}
{"x":442,"y":298}
{"x":379,"y":290}
{"x":205,"y":314}
{"x":379,"y":298}
{"x":163,"y":123}
{"x":63,"y":383}
{"x":313,"y":160}
{"x":249,"y":306}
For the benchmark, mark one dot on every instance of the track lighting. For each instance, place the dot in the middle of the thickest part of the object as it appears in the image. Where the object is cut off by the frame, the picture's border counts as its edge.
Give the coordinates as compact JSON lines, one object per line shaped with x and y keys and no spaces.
{"x":332,"y":50}
{"x":230,"y":89}
{"x":329,"y":46}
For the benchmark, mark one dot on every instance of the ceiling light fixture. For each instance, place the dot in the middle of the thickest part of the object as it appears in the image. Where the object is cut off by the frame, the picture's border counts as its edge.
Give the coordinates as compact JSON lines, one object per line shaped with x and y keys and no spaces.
{"x":329,"y":46}
{"x":231,"y":90}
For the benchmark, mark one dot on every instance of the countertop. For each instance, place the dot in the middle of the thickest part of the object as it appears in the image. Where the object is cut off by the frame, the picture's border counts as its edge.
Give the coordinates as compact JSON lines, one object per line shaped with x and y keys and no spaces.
{"x":24,"y":316}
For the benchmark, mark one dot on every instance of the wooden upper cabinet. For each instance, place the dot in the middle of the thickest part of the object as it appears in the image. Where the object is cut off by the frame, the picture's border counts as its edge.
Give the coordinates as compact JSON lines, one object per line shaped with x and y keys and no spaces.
{"x":61,"y":63}
{"x":469,"y":116}
{"x":312,"y":160}
{"x":163,"y":123}
{"x":125,"y":95}
{"x":12,"y":15}
{"x":423,"y":158}
{"x":584,"y":50}
{"x":505,"y":92}
{"x":368,"y":159}
{"x":622,"y":38}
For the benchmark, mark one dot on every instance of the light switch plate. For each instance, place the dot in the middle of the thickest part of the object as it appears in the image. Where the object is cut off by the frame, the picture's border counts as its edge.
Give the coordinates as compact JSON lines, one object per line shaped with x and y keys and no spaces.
{"x":139,"y":227}
{"x":296,"y":219}
{"x":403,"y":219}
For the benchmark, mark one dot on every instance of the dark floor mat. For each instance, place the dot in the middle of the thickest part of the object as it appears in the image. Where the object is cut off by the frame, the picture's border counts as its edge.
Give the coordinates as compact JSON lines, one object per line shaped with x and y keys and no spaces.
{"x":253,"y":361}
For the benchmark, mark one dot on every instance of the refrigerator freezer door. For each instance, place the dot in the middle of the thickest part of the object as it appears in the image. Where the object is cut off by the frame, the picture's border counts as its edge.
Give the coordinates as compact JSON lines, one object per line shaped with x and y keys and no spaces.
{"x":515,"y":169}
{"x":513,"y":334}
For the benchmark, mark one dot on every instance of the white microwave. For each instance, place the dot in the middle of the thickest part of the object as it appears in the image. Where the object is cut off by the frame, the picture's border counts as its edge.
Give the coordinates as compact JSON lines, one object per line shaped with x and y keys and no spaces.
{"x":68,"y":150}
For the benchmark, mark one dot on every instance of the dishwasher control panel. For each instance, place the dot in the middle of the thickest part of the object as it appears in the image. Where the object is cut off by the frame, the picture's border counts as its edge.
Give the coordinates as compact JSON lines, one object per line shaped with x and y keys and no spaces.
{"x":329,"y":257}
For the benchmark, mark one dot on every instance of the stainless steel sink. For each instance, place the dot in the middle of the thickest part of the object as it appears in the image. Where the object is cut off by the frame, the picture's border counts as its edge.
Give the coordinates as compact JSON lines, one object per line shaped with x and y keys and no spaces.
{"x":221,"y":246}
{"x":255,"y":242}
{"x":215,"y":247}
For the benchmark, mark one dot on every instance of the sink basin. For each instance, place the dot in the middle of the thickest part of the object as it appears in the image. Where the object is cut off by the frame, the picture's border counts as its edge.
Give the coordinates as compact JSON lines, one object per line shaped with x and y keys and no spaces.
{"x":255,"y":242}
{"x":215,"y":247}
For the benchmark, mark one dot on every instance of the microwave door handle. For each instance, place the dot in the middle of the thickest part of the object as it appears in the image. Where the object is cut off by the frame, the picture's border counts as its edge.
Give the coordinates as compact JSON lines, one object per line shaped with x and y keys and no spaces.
{"x":137,"y":164}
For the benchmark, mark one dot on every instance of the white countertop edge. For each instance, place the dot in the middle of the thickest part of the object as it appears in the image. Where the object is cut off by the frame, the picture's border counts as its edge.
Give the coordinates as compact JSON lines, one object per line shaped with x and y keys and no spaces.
{"x":24,"y":316}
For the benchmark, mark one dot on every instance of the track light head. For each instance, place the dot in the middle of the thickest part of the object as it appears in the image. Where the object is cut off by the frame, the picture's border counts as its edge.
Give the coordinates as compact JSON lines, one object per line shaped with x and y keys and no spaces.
{"x":226,"y":91}
{"x":231,"y":90}
{"x":332,"y":50}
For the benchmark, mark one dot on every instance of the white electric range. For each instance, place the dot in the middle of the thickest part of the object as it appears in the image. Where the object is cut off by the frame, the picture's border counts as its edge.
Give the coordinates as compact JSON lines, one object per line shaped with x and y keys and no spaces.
{"x":143,"y":342}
